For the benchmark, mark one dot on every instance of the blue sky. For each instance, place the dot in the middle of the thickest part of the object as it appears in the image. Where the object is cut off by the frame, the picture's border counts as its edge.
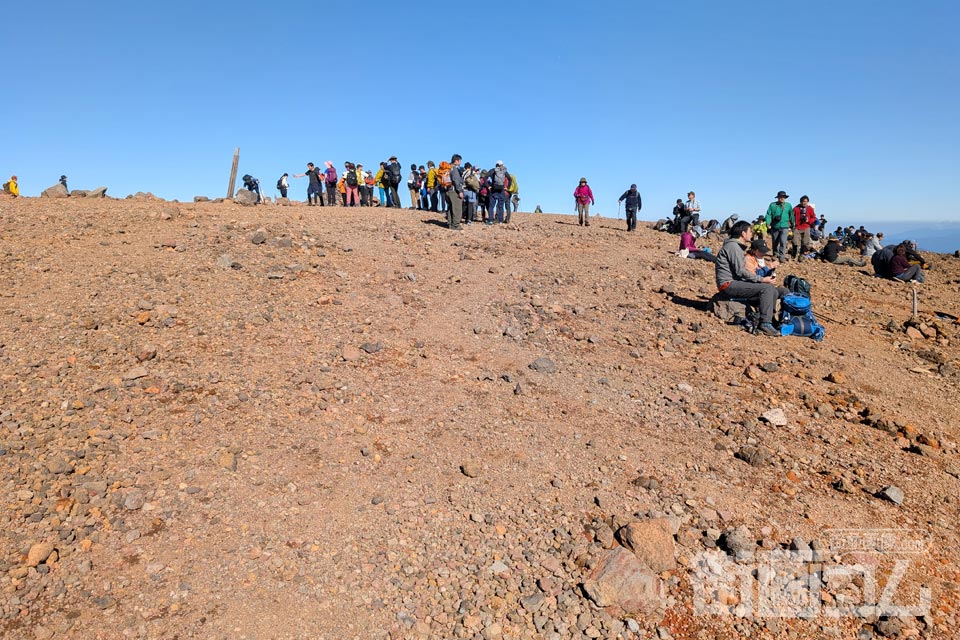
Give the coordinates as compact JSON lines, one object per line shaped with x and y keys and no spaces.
{"x":853,"y":103}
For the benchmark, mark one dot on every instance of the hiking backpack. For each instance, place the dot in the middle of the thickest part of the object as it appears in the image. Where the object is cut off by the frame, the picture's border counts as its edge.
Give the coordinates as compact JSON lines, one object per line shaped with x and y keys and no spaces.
{"x":395,"y":173}
{"x":796,"y":318}
{"x":472,"y":182}
{"x":351,"y":178}
{"x":443,"y":175}
{"x":280,"y":183}
{"x":499,"y":179}
{"x":797,"y":286}
{"x":331,"y":174}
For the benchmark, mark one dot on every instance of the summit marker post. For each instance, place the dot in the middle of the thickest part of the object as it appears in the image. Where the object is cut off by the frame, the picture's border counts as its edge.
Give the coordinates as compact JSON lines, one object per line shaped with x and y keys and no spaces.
{"x":233,"y":173}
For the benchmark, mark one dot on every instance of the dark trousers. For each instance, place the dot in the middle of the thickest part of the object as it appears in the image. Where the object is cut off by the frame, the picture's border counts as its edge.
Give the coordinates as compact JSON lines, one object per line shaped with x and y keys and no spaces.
{"x":454,"y":208}
{"x":332,"y":194}
{"x":763,"y":295}
{"x":470,"y":210}
{"x":283,"y":192}
{"x":434,"y":200}
{"x":313,"y":191}
{"x":779,"y":237}
{"x":394,"y":197}
{"x":496,"y":205}
{"x":631,"y":219}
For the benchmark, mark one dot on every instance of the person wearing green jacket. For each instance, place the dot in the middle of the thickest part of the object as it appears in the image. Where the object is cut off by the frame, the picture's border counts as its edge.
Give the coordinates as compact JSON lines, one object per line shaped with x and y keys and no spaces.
{"x":778,"y":218}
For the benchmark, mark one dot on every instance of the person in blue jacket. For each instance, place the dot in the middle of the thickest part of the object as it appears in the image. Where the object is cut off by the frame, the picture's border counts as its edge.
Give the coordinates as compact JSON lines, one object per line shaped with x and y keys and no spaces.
{"x":633,"y":205}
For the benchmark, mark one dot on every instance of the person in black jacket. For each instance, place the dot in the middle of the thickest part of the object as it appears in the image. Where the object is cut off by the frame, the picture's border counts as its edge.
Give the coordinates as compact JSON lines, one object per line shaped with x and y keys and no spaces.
{"x":392,"y":174}
{"x":633,"y":204}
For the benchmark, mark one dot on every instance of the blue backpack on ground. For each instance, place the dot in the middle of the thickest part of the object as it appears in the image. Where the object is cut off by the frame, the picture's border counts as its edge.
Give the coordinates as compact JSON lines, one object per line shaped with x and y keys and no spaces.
{"x":796,"y":318}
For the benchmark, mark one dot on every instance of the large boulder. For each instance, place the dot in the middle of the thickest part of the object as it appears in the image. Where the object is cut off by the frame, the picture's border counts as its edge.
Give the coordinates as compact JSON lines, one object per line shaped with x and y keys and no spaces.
{"x":246,"y":198}
{"x":56,"y":191}
{"x":79,"y":193}
{"x":725,"y":309}
{"x":99,"y":192}
{"x":623,"y":580}
{"x":201,"y":199}
{"x":652,"y":542}
{"x":140,"y":195}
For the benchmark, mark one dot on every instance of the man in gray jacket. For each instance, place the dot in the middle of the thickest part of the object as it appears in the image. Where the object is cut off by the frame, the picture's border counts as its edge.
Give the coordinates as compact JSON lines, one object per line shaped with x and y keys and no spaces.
{"x":454,"y":193}
{"x":734,"y":280}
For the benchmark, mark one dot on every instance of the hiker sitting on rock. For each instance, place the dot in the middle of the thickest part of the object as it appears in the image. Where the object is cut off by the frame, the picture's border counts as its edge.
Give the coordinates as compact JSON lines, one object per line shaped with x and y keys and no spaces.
{"x":736,"y":281}
{"x":11,"y":188}
{"x":831,"y":253}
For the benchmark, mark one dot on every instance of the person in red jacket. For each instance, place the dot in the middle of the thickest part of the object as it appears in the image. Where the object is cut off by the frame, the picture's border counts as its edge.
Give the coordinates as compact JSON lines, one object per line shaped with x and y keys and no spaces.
{"x":584,"y":197}
{"x":802,"y":222}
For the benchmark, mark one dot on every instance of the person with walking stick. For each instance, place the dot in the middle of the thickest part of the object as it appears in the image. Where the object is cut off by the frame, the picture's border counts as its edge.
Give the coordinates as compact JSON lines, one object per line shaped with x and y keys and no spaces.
{"x":633,"y":204}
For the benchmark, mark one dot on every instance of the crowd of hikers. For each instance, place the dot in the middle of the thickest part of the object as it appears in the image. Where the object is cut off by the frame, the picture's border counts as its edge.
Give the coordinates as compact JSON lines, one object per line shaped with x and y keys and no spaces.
{"x":463,"y":192}
{"x":745,"y":267}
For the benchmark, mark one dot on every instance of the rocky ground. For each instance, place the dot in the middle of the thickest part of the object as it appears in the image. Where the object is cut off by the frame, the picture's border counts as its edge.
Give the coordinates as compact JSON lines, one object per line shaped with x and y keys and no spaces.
{"x":287,"y":422}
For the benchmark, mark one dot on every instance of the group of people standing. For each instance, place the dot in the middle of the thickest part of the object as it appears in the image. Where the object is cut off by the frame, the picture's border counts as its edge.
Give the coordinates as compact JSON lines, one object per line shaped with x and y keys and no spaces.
{"x":488,"y":196}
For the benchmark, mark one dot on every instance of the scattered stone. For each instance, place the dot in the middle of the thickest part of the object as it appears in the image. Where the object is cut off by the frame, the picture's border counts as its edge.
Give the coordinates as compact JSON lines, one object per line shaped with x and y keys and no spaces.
{"x":39,"y":552}
{"x":227,"y":460}
{"x":371,"y":347}
{"x":136,"y":373}
{"x":754,"y":456}
{"x":893,"y":494}
{"x":836,"y":377}
{"x":470,"y":469}
{"x":739,"y":541}
{"x":350,"y":353}
{"x":226,"y":261}
{"x":135,"y":500}
{"x":775,"y":417}
{"x":258,"y":237}
{"x":543,"y":365}
{"x":770,"y":367}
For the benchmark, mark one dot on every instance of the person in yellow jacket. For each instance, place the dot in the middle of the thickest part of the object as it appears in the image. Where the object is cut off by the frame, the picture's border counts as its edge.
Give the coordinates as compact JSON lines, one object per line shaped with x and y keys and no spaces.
{"x":432,"y":191}
{"x":381,"y":186}
{"x":12,"y":188}
{"x":513,"y":196}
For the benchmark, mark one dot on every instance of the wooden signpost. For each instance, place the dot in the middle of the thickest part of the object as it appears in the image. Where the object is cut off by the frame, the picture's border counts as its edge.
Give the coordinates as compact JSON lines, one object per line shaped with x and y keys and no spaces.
{"x":233,"y":173}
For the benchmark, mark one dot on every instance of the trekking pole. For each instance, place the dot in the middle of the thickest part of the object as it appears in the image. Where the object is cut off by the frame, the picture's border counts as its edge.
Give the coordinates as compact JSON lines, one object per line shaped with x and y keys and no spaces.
{"x":618,"y":209}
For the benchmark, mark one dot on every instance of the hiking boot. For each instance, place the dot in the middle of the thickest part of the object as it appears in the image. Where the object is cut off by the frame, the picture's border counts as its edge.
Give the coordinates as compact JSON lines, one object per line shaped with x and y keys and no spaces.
{"x":768,"y":329}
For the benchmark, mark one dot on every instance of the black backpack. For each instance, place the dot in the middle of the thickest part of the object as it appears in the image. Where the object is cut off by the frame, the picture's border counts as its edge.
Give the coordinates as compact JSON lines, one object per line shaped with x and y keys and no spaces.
{"x":797,"y":286}
{"x":351,"y":178}
{"x":280,"y":183}
{"x":395,"y":176}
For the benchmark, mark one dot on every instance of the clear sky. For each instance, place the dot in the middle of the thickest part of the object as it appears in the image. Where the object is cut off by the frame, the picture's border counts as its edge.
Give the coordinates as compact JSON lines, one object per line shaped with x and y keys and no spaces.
{"x":854,"y":103}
